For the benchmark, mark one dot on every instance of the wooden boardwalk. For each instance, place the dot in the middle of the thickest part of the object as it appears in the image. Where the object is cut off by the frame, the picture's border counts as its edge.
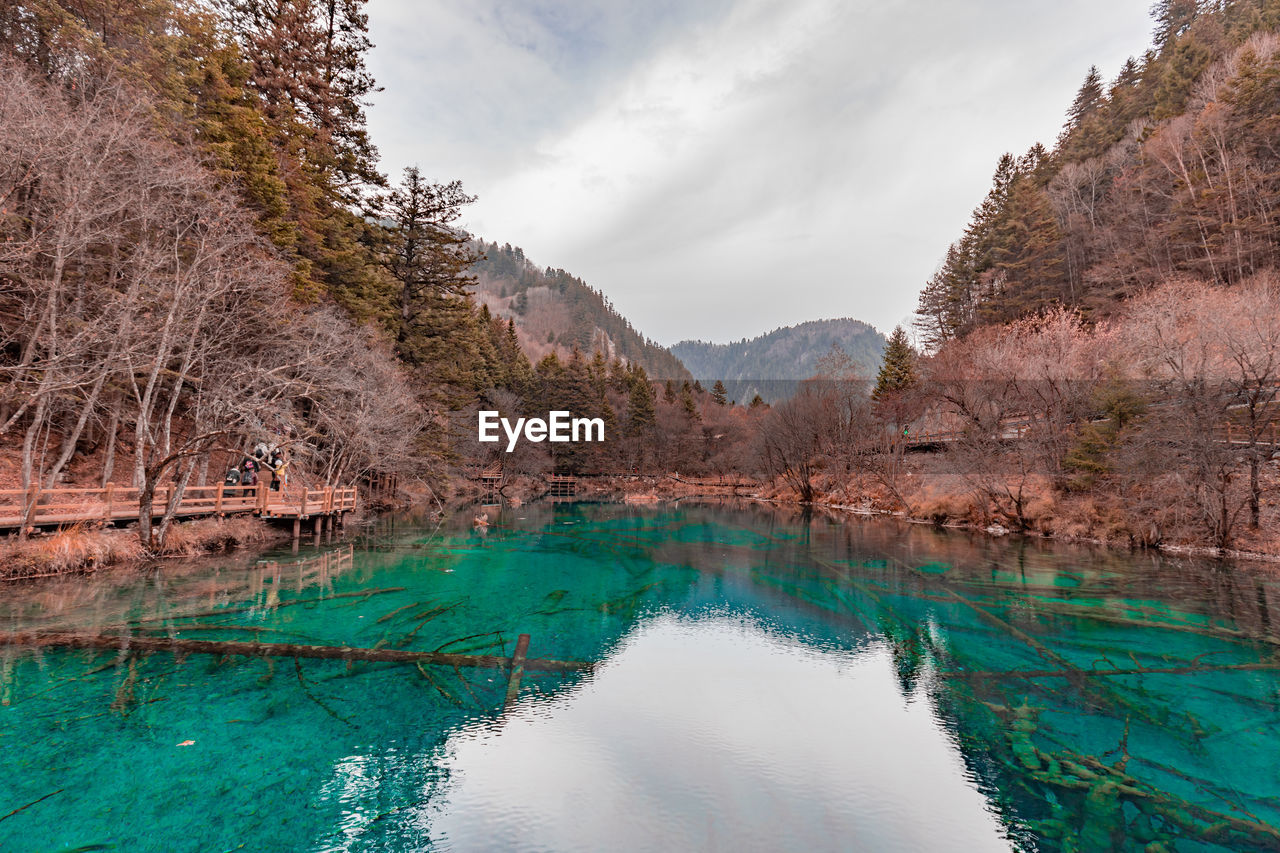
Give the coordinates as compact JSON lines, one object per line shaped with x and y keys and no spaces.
{"x":717,"y":482}
{"x":1012,"y":430}
{"x":62,"y":507}
{"x":562,"y":486}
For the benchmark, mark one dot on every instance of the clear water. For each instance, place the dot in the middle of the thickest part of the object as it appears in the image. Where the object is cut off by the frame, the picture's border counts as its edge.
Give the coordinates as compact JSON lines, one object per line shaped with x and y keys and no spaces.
{"x":762,"y":682}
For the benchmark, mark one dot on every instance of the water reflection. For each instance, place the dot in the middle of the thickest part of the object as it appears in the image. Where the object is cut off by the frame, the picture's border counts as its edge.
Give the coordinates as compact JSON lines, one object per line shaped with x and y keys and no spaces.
{"x":699,"y":734}
{"x":173,"y":590}
{"x":767,"y":680}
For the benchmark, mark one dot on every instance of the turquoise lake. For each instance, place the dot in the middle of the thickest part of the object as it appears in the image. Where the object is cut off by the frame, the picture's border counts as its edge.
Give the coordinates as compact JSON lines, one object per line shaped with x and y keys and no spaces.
{"x":758,"y":680}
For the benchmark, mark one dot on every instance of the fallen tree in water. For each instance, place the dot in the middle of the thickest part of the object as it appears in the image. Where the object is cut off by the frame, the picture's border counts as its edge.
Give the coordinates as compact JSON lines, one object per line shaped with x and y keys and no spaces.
{"x":130,"y":643}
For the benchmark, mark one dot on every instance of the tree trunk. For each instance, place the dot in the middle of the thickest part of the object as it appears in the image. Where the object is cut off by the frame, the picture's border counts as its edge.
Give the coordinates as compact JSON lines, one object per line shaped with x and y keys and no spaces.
{"x":30,"y":483}
{"x":1255,"y":491}
{"x":175,"y":499}
{"x":113,"y":427}
{"x":145,"y":499}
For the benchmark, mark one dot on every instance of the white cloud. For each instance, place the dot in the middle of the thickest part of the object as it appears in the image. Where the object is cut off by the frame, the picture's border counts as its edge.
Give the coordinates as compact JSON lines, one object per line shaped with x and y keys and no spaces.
{"x":722,"y":168}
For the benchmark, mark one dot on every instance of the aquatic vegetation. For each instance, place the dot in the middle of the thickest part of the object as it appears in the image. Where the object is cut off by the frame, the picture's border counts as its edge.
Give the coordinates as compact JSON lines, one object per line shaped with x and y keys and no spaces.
{"x":1095,"y":700}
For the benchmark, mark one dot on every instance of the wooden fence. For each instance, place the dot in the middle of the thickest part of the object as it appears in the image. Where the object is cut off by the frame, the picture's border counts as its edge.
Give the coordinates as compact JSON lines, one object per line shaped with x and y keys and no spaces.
{"x":57,"y":507}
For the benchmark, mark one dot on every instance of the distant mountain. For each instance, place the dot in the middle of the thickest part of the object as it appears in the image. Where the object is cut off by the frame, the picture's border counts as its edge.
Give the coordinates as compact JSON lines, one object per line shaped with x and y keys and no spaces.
{"x":772,"y":364}
{"x":555,"y":311}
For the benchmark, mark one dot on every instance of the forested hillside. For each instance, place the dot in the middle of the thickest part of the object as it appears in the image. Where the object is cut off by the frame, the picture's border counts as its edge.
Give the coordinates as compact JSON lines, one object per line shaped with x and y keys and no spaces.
{"x":1170,"y":168}
{"x":771,"y":364}
{"x":555,"y":312}
{"x":1104,"y":337}
{"x":199,"y":253}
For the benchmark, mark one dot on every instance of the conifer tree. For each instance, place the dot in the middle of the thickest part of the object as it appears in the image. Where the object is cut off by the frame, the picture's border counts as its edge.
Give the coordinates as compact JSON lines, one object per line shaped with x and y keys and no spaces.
{"x":1173,"y":18}
{"x":1187,"y":59}
{"x":428,"y":258}
{"x":641,"y":408}
{"x":1087,"y":101}
{"x":719,"y":393}
{"x":688,"y":403}
{"x":898,"y":370}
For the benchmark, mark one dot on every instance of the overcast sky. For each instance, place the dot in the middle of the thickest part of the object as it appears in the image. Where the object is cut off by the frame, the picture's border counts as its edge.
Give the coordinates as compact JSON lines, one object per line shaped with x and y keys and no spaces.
{"x":720,"y":168}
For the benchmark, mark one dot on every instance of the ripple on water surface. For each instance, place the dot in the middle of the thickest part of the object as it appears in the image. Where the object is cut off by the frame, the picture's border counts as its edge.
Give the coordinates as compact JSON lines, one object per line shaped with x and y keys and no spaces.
{"x":762,"y":681}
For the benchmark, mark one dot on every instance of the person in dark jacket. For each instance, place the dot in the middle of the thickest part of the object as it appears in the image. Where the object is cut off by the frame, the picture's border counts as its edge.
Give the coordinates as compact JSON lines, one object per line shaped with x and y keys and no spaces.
{"x":231,"y":483}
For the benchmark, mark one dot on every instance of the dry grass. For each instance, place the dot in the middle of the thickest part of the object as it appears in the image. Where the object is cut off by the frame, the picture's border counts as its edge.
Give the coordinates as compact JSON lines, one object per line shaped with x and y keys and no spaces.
{"x":71,"y":549}
{"x":83,"y":549}
{"x":216,"y":534}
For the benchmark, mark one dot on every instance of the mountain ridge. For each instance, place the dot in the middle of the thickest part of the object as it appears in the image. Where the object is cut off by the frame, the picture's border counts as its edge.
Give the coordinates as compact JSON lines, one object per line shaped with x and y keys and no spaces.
{"x":772,"y":363}
{"x":555,"y":311}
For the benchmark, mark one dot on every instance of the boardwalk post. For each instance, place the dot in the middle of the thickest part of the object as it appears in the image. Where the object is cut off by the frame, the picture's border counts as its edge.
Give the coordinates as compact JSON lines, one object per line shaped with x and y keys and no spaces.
{"x":108,"y":498}
{"x":217,"y":504}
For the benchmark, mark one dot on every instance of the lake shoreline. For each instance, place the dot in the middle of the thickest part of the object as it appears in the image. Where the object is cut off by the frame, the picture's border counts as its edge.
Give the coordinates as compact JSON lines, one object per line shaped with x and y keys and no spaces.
{"x":654,"y":489}
{"x":78,"y":550}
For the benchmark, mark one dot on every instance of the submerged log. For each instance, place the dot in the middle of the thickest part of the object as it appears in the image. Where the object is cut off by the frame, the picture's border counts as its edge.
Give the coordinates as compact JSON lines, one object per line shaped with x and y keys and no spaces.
{"x":518,"y":664}
{"x":287,"y":650}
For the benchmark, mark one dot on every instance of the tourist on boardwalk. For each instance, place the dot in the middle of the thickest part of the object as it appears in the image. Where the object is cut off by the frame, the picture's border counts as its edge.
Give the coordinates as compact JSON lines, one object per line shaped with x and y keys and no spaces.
{"x":230,"y":481}
{"x":250,"y":476}
{"x":277,"y":465}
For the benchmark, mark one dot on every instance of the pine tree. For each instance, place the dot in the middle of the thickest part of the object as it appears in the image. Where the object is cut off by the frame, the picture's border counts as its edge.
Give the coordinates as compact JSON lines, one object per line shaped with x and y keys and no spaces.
{"x":641,"y":406}
{"x":688,"y":403}
{"x":1173,"y":18}
{"x":1186,"y":60}
{"x":428,"y":258}
{"x":1087,"y":101}
{"x":1028,"y":258}
{"x":948,"y":300}
{"x":308,"y":61}
{"x":719,"y":393}
{"x":898,"y":370}
{"x":757,"y":401}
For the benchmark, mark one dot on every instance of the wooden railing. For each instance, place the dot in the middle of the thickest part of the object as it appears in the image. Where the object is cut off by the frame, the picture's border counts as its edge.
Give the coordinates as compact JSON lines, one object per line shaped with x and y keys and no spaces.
{"x":716,"y":482}
{"x":1268,"y":435}
{"x":118,"y":503}
{"x":935,"y":437}
{"x":307,"y":502}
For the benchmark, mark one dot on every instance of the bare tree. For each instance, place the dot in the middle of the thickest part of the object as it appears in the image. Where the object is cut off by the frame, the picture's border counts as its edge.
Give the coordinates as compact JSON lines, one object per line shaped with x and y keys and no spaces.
{"x":796,"y":435}
{"x":137,"y":298}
